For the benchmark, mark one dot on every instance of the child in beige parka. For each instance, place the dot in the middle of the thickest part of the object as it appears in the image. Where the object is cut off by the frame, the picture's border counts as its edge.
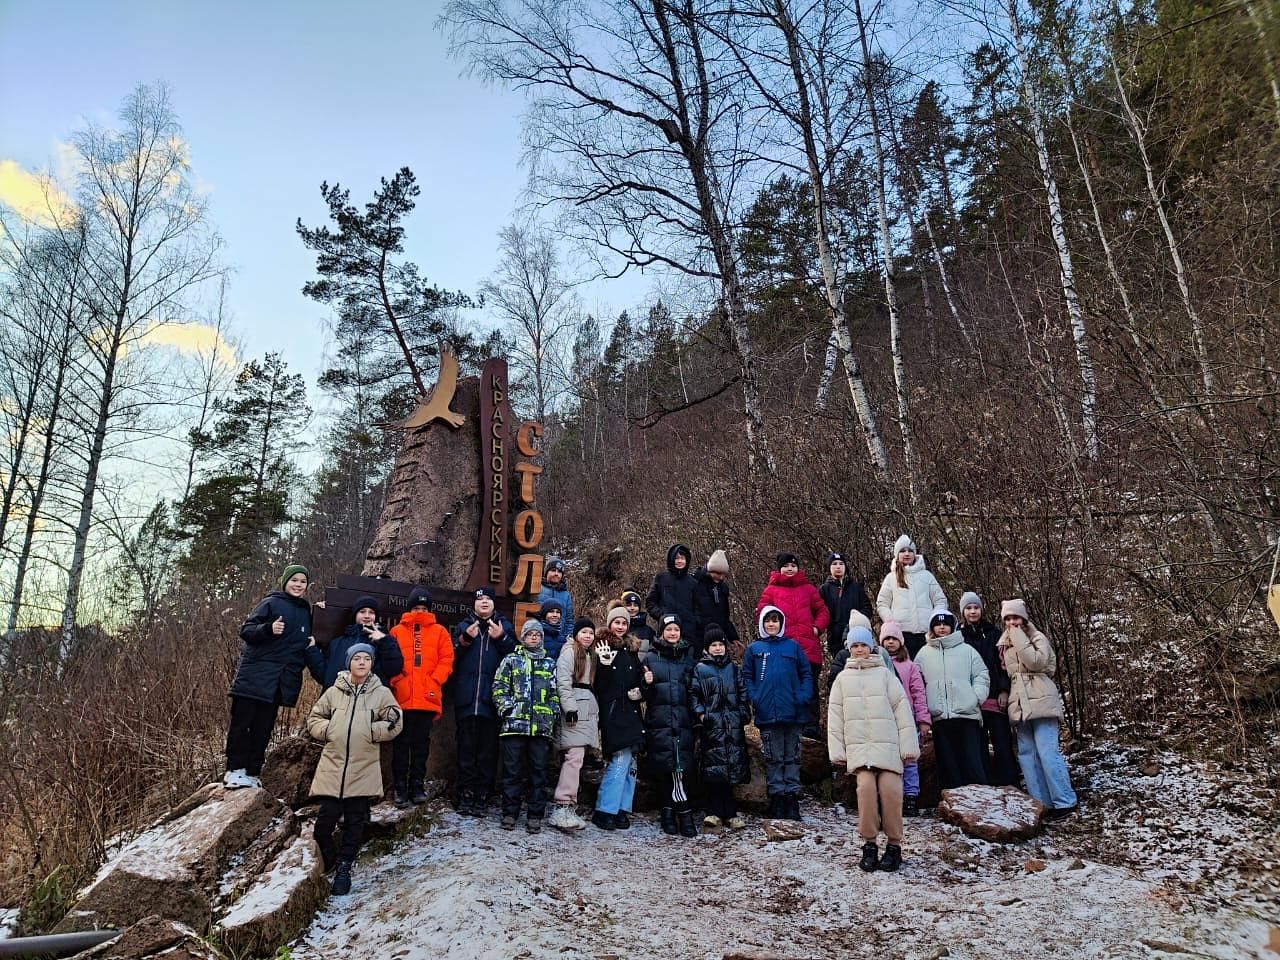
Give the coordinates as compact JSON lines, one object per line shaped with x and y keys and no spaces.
{"x":351,"y":718}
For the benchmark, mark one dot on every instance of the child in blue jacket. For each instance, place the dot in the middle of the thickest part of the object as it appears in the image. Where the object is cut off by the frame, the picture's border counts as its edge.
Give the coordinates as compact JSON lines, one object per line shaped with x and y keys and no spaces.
{"x":780,"y":687}
{"x":555,"y":588}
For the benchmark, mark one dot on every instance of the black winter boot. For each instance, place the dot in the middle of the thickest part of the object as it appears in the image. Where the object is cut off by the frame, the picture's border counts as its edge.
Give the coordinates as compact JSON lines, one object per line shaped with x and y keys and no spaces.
{"x":793,"y":806}
{"x":910,"y":806}
{"x":870,"y":856}
{"x":605,"y":821}
{"x":342,"y":879}
{"x":775,"y":810}
{"x":402,"y":794}
{"x":622,"y":820}
{"x":892,"y":858}
{"x":687,"y":827}
{"x":669,"y":821}
{"x":417,"y":792}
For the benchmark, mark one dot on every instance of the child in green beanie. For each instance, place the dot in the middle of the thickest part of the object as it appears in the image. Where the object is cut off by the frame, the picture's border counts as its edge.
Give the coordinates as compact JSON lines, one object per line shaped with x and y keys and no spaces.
{"x":273,"y":647}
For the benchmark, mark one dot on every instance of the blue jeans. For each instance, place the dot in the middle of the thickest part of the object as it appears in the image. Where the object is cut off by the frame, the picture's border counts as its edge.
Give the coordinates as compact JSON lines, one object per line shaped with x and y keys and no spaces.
{"x":911,"y":779}
{"x":781,"y":747}
{"x":1043,"y":766}
{"x":619,"y":784}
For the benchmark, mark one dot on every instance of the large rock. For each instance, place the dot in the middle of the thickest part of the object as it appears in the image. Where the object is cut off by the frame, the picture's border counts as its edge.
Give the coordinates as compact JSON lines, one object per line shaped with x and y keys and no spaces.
{"x":997,"y":814}
{"x":279,"y":904}
{"x":172,"y":869}
{"x":753,"y":795}
{"x":815,"y":761}
{"x":782,"y":830}
{"x":428,"y":528}
{"x":289,"y":767}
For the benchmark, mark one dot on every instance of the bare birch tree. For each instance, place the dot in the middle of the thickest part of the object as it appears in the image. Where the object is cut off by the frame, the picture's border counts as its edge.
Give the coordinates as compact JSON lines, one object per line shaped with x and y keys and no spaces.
{"x":531,"y":296}
{"x":56,"y":278}
{"x":1057,"y":226}
{"x":811,"y":92}
{"x":886,"y":258}
{"x":636,"y":135}
{"x":147,"y":245}
{"x":1155,"y":192}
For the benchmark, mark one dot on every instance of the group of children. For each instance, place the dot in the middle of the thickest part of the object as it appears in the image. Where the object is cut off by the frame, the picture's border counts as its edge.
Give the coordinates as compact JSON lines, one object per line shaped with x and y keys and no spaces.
{"x":551,"y":697}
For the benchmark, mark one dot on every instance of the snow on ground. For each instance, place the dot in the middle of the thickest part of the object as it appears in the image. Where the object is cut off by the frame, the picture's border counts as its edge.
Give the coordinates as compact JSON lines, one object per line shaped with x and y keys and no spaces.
{"x":467,"y":889}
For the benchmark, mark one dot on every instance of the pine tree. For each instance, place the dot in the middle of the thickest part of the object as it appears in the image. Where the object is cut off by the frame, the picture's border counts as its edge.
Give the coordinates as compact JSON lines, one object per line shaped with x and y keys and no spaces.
{"x":390,"y":321}
{"x":233,"y":515}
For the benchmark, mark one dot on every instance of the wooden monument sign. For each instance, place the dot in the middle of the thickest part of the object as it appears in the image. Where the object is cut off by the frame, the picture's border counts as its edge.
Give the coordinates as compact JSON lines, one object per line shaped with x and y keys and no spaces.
{"x":464,"y":468}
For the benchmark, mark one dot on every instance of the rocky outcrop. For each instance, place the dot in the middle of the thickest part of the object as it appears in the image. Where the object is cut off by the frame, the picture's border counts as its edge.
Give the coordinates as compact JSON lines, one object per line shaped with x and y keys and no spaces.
{"x":237,"y":862}
{"x":173,"y":868}
{"x":996,"y":814}
{"x":288,"y":769}
{"x":279,"y":904}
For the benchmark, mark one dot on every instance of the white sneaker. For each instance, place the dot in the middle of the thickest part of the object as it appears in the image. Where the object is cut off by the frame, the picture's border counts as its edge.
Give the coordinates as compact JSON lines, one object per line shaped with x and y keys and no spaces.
{"x":235,"y":779}
{"x":250,"y":781}
{"x":563,"y":818}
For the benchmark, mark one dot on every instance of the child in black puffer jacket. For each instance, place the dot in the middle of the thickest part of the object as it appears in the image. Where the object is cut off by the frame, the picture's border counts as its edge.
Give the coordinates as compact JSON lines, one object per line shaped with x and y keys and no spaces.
{"x":668,"y":724}
{"x":719,"y":700}
{"x":269,"y":675}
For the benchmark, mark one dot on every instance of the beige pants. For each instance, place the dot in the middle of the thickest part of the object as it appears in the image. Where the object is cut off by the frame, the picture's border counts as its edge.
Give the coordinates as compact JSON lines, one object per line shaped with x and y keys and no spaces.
{"x":879,"y":804}
{"x":571,"y":774}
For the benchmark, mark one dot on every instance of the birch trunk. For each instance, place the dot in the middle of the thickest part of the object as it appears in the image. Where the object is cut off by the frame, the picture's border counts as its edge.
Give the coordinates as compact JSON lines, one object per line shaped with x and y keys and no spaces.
{"x":52,"y":422}
{"x":886,"y":264}
{"x":18,"y":442}
{"x":89,"y":489}
{"x":829,"y":361}
{"x":1141,"y":349}
{"x":1157,"y":202}
{"x":37,"y":502}
{"x":694,"y":119}
{"x":1273,"y":78}
{"x":1057,"y":225}
{"x":839,"y":344}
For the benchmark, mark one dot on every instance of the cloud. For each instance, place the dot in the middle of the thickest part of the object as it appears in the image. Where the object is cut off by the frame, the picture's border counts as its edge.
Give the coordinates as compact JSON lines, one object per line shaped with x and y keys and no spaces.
{"x":193,"y":338}
{"x":36,"y":199}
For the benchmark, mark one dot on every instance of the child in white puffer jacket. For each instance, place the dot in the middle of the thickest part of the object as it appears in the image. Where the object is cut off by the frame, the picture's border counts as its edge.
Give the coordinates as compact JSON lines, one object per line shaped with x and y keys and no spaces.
{"x":909,"y":594}
{"x":871,"y":732}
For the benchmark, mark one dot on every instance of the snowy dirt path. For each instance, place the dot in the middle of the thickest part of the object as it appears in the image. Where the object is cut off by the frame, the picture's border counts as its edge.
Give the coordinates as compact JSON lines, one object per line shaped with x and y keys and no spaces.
{"x":467,"y":889}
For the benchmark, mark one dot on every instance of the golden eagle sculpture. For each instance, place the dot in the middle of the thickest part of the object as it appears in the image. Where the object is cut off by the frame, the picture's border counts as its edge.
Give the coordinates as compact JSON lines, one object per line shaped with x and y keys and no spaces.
{"x":435,"y":406}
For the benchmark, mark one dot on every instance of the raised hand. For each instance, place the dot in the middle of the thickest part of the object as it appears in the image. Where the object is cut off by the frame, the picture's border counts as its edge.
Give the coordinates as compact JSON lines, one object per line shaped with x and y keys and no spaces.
{"x":278,"y":626}
{"x":605,"y":653}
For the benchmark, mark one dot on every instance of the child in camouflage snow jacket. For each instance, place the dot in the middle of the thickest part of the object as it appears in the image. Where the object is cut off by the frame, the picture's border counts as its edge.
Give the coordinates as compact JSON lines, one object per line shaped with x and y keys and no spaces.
{"x":524,"y":691}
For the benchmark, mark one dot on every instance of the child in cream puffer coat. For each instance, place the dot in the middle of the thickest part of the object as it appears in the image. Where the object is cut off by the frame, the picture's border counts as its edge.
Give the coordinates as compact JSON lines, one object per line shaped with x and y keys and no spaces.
{"x":870,"y":732}
{"x":909,"y":594}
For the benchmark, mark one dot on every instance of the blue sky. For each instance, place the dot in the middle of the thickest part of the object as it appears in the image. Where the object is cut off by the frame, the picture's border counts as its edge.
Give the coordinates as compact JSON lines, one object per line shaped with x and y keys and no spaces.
{"x":275,"y":97}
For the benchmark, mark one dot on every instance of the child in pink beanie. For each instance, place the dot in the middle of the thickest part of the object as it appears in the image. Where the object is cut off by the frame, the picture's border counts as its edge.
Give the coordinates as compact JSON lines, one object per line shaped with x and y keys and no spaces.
{"x":892,"y":641}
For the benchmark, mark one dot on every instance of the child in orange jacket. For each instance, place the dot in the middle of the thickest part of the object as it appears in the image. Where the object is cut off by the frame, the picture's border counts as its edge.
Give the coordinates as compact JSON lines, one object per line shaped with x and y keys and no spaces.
{"x":428,"y":661}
